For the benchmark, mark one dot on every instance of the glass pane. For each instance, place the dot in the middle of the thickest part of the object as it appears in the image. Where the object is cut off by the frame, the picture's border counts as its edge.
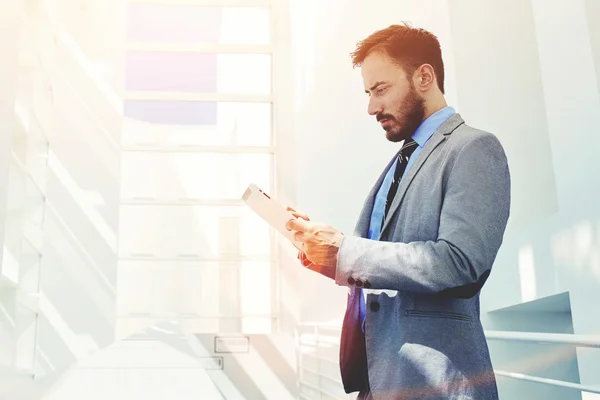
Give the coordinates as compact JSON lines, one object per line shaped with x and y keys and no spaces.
{"x":173,"y":176}
{"x":245,"y":124}
{"x":37,"y":155}
{"x":172,"y":112}
{"x":246,"y":25}
{"x":29,"y":272}
{"x":198,"y":72}
{"x":207,"y":24}
{"x":191,"y":289}
{"x":244,"y":73}
{"x":171,"y":72}
{"x":13,"y":226}
{"x":255,"y":288}
{"x":161,"y":288}
{"x":25,"y":338}
{"x":189,"y":233}
{"x":33,"y":214}
{"x":9,"y":270}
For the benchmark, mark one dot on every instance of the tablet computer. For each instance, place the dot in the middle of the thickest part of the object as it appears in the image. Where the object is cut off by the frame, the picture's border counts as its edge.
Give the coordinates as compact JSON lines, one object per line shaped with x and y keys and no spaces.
{"x":271,"y":211}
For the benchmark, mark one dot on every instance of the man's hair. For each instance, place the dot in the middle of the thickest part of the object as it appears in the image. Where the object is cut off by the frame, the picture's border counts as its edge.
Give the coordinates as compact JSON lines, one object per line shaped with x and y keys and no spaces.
{"x":407,"y":46}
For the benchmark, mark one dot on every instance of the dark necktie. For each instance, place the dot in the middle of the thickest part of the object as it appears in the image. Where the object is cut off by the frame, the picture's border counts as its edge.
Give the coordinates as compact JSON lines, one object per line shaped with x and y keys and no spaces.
{"x":407,"y":149}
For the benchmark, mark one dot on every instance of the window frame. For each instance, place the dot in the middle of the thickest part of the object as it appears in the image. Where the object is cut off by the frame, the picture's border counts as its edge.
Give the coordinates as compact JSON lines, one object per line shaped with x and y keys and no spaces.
{"x":280,"y":68}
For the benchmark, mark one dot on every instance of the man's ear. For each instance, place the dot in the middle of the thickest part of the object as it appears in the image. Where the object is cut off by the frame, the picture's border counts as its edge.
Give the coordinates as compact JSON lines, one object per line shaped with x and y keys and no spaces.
{"x":424,"y":78}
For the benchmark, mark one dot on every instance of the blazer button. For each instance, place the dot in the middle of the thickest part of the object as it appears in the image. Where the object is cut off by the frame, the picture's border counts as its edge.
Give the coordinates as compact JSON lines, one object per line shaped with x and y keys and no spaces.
{"x":359,"y":283}
{"x":367,"y":285}
{"x":351,"y":281}
{"x":374,"y":306}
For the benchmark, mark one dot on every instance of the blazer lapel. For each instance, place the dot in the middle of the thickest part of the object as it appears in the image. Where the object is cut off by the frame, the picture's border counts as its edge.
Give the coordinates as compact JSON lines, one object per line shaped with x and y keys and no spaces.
{"x":364,"y":220}
{"x":438,"y":137}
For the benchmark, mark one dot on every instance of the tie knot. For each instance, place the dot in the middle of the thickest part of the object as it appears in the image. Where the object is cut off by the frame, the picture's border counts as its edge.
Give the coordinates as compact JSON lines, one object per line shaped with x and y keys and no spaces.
{"x":408,"y":147}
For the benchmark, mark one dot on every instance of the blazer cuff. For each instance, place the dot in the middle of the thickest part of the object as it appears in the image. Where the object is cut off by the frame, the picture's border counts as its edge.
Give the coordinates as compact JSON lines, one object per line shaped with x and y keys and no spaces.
{"x":347,"y":273}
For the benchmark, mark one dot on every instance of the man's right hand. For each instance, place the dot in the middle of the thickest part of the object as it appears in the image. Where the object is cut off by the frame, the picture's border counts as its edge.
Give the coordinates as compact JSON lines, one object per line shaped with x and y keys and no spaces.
{"x":327,"y":271}
{"x":297,"y":214}
{"x":301,"y":256}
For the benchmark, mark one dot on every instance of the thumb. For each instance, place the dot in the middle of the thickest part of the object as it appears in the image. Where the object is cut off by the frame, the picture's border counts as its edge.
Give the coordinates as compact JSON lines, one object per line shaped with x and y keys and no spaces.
{"x":298,"y":214}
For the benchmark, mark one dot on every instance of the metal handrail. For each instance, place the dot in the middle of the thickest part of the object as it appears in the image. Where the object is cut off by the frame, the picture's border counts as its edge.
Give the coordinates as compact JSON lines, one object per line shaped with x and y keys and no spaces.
{"x":318,"y":325}
{"x":536,"y":337}
{"x":548,"y":381}
{"x":545,"y":338}
{"x":318,"y":389}
{"x":577,"y":340}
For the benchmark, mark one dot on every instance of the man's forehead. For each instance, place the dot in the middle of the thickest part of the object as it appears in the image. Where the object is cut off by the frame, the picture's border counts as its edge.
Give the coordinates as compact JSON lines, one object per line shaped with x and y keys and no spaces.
{"x":378,"y":67}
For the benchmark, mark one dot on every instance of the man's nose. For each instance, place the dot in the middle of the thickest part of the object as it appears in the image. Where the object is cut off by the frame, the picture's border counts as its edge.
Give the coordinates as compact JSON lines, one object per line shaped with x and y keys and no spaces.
{"x":373,"y":108}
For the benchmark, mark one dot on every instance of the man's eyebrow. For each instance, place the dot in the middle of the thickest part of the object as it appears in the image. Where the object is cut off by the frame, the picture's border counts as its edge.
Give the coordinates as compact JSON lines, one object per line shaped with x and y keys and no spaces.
{"x":379,"y":83}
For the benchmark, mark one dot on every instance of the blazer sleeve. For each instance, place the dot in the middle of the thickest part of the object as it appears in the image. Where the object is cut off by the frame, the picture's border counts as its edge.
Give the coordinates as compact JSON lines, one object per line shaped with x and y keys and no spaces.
{"x":474,"y":214}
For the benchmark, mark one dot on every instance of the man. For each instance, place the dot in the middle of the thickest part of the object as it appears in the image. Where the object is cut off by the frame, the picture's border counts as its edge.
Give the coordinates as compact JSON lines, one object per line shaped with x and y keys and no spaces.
{"x":425,"y":241}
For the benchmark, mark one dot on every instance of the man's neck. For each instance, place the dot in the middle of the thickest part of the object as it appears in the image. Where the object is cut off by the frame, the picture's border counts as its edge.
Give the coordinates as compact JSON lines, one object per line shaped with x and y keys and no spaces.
{"x":433,"y":107}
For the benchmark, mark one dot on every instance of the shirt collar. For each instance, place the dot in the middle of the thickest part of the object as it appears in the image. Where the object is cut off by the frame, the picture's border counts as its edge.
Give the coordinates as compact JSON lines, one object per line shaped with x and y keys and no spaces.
{"x":431,"y":124}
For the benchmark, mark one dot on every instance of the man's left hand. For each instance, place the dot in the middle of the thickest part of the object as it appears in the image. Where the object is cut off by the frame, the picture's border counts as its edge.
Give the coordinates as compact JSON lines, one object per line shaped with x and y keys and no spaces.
{"x":320,"y":242}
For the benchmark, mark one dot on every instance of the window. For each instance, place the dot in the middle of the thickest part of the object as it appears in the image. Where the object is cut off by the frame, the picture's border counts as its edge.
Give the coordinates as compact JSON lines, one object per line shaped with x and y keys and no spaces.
{"x":197,"y":123}
{"x":198,"y":72}
{"x":200,"y":24}
{"x":198,"y":130}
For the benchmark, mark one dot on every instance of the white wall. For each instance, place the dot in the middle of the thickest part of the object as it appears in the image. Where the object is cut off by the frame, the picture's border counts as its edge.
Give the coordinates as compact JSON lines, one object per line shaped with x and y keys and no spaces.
{"x":527,"y":71}
{"x":81,"y":190}
{"x":8,"y":72}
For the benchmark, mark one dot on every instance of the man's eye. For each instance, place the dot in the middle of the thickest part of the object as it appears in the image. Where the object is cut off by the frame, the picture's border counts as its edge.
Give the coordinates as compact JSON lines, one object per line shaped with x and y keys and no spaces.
{"x":380,"y":91}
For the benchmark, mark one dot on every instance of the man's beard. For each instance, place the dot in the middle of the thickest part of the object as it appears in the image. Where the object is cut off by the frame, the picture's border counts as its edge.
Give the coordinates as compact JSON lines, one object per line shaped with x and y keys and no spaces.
{"x":411,"y":113}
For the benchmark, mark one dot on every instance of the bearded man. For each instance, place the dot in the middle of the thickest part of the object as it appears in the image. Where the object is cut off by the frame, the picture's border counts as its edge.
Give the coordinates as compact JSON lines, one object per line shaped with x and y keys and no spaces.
{"x":426,"y":238}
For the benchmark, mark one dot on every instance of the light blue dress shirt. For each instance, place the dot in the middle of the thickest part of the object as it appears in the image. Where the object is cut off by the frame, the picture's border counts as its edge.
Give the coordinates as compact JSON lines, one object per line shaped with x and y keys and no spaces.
{"x":421,"y":136}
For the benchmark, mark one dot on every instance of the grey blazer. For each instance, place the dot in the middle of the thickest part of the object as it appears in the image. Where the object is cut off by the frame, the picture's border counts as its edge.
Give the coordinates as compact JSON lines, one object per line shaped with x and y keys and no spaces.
{"x":423,"y":335}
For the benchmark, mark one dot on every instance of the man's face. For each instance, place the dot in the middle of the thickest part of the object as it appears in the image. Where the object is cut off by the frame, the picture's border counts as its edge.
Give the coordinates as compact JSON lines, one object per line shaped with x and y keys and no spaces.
{"x":393,"y":99}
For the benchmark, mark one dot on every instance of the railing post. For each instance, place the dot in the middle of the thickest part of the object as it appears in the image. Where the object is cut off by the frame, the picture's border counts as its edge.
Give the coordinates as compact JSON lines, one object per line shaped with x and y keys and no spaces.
{"x":318,"y":351}
{"x":298,"y":359}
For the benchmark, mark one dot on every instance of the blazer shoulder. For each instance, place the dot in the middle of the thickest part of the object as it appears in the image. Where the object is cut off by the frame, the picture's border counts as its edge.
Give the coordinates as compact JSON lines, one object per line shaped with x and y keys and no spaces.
{"x":465,"y":135}
{"x":470,"y":143}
